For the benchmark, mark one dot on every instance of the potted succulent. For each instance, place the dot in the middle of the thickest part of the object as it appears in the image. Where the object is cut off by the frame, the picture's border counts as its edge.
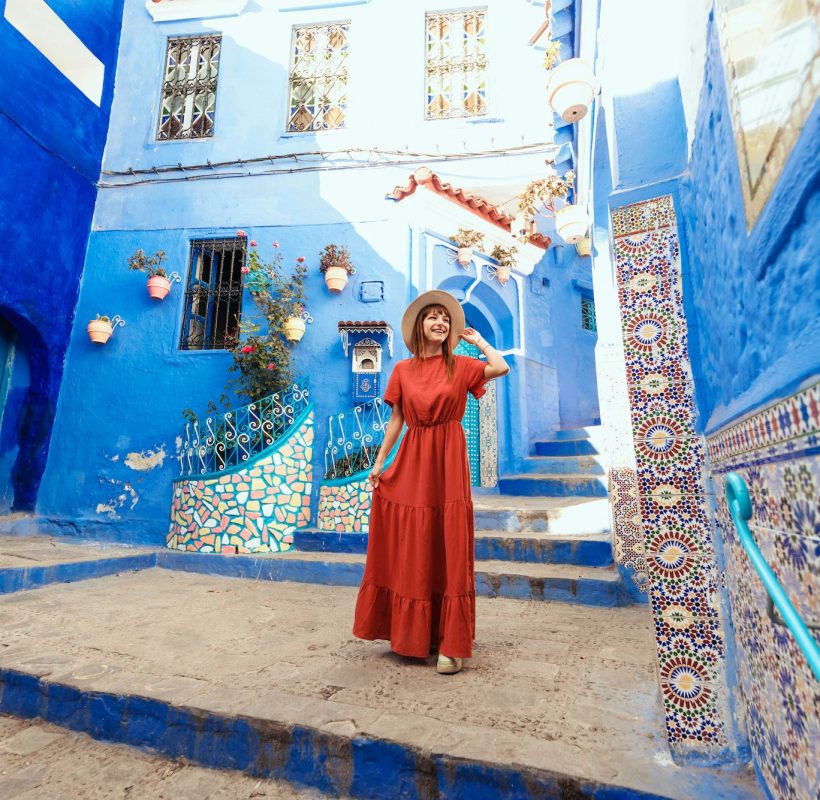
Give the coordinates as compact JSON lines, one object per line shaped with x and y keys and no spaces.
{"x":335,"y":265}
{"x":100,"y":329}
{"x":467,"y":239}
{"x":571,"y":222}
{"x":158,"y":283}
{"x":572,"y":86}
{"x":505,"y":256}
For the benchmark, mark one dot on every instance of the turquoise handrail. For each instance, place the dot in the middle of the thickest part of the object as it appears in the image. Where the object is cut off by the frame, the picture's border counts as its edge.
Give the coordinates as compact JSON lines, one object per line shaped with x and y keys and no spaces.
{"x":740,"y":507}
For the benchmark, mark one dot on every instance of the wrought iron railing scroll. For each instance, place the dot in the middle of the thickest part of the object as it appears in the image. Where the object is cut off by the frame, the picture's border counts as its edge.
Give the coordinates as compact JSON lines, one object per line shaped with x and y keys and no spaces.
{"x":228,"y":440}
{"x":354,"y":438}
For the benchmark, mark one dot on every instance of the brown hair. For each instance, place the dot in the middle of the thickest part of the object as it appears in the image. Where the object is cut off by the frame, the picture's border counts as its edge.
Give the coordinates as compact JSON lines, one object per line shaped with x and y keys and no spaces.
{"x":418,"y":338}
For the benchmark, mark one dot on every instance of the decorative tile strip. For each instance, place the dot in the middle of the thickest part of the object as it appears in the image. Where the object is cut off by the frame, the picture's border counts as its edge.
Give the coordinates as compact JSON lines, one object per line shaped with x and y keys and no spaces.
{"x":252,"y":509}
{"x":675,"y":543}
{"x":775,"y":450}
{"x":628,"y":538}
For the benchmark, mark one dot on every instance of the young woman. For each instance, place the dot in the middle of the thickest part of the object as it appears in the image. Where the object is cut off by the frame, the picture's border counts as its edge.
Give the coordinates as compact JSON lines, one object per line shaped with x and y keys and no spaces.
{"x":418,"y":589}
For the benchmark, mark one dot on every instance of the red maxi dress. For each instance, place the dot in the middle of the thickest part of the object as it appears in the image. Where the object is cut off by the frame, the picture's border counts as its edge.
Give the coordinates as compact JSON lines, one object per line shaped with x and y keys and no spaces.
{"x":418,"y":588}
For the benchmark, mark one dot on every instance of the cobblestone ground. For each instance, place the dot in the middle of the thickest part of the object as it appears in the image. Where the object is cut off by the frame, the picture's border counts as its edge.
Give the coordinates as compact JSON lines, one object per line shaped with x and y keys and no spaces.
{"x":39,"y":761}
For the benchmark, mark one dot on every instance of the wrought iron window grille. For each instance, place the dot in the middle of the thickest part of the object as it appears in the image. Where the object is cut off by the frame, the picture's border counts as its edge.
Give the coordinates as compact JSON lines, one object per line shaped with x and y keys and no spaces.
{"x":188,"y":107}
{"x":588,"y":321}
{"x":456,"y":64}
{"x":228,"y":440}
{"x":318,"y":77}
{"x":213,"y":294}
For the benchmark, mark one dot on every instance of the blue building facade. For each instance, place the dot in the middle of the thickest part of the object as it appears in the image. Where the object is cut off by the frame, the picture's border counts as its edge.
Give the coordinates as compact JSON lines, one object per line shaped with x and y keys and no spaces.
{"x":54,"y":120}
{"x":304,"y":190}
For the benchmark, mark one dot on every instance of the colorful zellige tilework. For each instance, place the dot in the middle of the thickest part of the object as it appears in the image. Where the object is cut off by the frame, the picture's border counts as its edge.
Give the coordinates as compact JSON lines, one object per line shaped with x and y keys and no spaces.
{"x":345,"y":508}
{"x":255,"y":509}
{"x":775,"y":451}
{"x":675,"y":542}
{"x":627,"y":529}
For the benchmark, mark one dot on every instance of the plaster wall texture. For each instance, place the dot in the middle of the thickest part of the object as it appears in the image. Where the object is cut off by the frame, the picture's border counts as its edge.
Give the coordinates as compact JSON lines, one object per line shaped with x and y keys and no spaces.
{"x":127,"y":397}
{"x":53,"y":137}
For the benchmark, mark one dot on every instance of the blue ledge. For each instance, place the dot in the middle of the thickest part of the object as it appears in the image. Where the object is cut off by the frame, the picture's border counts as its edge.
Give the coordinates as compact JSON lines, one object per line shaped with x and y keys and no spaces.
{"x":313,"y":541}
{"x":334,"y":764}
{"x":16,"y":579}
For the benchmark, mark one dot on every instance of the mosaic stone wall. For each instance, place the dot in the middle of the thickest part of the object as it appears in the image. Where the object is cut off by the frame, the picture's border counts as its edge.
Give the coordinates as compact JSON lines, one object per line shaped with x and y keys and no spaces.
{"x":677,"y":538}
{"x":345,"y":508}
{"x":776,"y":452}
{"x":627,"y":528}
{"x":254,"y":509}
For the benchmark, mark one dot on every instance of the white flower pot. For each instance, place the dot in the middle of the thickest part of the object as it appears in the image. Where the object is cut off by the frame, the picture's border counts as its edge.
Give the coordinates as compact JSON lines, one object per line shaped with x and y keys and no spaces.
{"x":295,"y":328}
{"x":571,"y":89}
{"x":336,"y":279}
{"x":464,"y":256}
{"x":571,"y":224}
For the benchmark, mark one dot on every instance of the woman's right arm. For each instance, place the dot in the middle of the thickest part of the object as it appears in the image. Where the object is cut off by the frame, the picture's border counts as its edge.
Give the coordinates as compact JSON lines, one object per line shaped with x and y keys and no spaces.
{"x":391,"y":435}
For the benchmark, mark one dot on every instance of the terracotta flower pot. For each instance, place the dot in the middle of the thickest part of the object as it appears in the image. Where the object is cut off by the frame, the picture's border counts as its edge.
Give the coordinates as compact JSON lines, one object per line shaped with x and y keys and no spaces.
{"x":99,"y":331}
{"x":584,"y":247}
{"x":295,"y":328}
{"x":503,"y":274}
{"x":571,"y":224}
{"x":571,"y":89}
{"x":336,"y":279}
{"x":464,"y":256}
{"x":158,"y":287}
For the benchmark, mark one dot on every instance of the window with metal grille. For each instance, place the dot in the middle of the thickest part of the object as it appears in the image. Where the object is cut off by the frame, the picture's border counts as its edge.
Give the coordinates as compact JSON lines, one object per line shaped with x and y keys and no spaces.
{"x":318,"y":77}
{"x":188,"y":107}
{"x":588,"y":322}
{"x":456,"y":64}
{"x":213,"y":297}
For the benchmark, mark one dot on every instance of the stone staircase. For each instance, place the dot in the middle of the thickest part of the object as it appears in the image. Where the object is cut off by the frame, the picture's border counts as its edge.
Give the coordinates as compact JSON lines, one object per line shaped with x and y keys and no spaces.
{"x":545,"y":536}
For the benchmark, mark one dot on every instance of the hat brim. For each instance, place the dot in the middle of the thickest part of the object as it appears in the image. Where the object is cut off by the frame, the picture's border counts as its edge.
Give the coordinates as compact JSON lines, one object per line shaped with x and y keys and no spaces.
{"x":435,"y":297}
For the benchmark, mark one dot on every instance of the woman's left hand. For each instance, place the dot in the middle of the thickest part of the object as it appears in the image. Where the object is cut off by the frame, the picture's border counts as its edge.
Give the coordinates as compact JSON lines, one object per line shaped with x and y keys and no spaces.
{"x":471,"y":336}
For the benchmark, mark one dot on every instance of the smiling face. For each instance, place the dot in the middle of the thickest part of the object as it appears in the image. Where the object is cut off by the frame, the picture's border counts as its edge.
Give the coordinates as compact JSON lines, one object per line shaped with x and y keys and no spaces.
{"x":435,"y":325}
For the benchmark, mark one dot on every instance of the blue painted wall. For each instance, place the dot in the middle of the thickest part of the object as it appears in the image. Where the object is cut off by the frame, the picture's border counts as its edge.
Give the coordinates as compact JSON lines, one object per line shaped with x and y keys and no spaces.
{"x":53,"y":139}
{"x":752,"y":307}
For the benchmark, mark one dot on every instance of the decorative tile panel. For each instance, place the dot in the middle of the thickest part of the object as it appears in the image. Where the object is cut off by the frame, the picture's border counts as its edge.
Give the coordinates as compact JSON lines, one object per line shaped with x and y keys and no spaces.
{"x":345,"y":507}
{"x":776,"y":451}
{"x":627,"y":528}
{"x":666,"y":493}
{"x":254,"y":509}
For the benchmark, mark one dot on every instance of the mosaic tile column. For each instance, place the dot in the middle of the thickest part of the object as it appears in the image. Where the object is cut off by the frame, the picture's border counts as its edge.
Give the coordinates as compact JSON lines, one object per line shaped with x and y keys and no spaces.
{"x":677,"y":540}
{"x":252,"y":509}
{"x":776,"y":450}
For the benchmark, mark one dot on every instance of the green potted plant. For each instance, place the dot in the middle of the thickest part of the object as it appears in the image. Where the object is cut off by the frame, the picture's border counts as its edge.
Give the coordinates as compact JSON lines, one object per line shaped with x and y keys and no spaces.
{"x":158,"y":283}
{"x":100,"y":329}
{"x":335,"y":265}
{"x":505,"y":256}
{"x":466,"y":239}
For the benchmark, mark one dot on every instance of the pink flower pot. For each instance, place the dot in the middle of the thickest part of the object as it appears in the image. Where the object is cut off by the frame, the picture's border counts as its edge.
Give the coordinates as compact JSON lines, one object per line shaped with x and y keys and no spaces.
{"x":158,"y":287}
{"x":99,"y":331}
{"x":464,"y":256}
{"x":503,"y":274}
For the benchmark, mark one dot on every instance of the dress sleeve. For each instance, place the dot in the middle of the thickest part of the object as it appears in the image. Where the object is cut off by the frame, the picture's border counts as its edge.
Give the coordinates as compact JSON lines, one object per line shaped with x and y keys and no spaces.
{"x":474,"y":371}
{"x":392,"y":394}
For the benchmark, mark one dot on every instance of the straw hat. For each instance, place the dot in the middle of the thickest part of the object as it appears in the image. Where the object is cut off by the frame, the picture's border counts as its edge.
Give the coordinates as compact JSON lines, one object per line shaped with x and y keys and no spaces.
{"x":436,"y":297}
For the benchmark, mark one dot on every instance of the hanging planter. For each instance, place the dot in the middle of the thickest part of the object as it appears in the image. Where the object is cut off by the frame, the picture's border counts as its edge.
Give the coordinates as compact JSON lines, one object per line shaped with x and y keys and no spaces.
{"x":505,"y":256}
{"x":466,"y":240}
{"x":158,"y":287}
{"x":335,"y":265}
{"x":294,"y":329}
{"x":100,"y":329}
{"x":584,"y":247}
{"x":502,"y":274}
{"x":571,"y":89}
{"x":571,"y":223}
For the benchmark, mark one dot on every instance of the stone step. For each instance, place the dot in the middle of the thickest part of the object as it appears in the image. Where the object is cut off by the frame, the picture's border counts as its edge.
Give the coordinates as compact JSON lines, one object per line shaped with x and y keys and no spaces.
{"x":571,"y":447}
{"x":569,"y":434}
{"x":592,"y":550}
{"x":266,"y":678}
{"x":545,"y":485}
{"x":597,"y":586}
{"x":558,"y":465}
{"x":564,"y":515}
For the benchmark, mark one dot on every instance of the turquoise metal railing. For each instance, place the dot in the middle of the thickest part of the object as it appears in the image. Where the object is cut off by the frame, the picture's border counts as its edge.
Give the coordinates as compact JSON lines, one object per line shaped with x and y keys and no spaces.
{"x":740,"y":507}
{"x":354,"y":438}
{"x":230,"y":439}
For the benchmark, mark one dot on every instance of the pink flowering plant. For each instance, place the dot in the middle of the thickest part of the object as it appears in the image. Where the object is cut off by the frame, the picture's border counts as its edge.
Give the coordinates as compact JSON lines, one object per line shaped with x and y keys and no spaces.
{"x":261,"y":353}
{"x":150,"y":265}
